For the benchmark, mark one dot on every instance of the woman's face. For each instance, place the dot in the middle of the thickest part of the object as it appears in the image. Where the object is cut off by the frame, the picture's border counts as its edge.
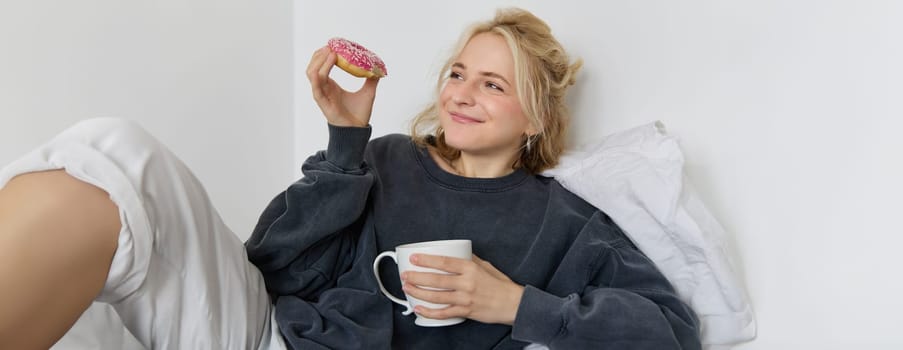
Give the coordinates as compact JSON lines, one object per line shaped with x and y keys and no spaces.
{"x":479,"y":107}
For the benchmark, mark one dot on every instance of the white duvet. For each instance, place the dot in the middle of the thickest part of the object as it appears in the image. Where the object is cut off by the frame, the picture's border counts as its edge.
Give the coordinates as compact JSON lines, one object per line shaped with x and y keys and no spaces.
{"x":636,"y":177}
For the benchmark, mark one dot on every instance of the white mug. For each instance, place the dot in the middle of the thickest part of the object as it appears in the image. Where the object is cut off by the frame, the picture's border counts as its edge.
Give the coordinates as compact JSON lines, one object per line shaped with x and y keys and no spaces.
{"x":456,"y":248}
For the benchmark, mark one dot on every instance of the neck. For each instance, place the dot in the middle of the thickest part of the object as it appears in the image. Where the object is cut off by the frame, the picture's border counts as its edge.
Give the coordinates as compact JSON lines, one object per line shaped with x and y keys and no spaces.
{"x":476,"y":166}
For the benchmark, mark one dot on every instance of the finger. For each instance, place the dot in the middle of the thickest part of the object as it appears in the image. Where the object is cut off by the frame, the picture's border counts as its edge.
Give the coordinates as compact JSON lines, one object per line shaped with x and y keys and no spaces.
{"x":316,"y":60}
{"x":429,"y":279}
{"x":443,"y":263}
{"x":432,"y":296}
{"x":370,"y":84}
{"x":368,"y":89}
{"x":327,"y":65}
{"x":444,"y":313}
{"x":313,"y":69}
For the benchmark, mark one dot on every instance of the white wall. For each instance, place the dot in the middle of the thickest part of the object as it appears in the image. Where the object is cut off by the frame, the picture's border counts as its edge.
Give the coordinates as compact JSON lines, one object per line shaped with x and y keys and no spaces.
{"x":787,"y":112}
{"x":211,"y":78}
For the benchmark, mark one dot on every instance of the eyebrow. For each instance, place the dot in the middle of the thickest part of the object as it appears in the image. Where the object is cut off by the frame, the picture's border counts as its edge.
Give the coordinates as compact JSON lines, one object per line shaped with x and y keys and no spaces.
{"x":488,"y":74}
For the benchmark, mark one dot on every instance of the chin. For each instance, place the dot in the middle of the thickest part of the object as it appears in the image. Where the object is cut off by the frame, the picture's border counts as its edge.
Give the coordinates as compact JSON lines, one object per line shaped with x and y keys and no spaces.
{"x":461,"y":137}
{"x":455,"y":141}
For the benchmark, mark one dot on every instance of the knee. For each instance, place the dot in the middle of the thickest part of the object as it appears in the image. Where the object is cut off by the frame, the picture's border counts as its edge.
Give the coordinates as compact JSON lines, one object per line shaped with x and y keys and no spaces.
{"x":44,"y":199}
{"x":105,"y":129}
{"x":124,"y":138}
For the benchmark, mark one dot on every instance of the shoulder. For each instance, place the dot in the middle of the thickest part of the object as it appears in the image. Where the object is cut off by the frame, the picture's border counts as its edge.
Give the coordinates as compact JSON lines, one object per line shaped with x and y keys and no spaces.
{"x":390,"y":141}
{"x":392,"y":138}
{"x":563,"y":198}
{"x":593,"y":221}
{"x":389,"y":149}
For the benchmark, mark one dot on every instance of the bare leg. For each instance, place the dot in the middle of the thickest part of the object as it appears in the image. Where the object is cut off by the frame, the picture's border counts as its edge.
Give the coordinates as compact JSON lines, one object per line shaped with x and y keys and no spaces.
{"x":57,"y":240}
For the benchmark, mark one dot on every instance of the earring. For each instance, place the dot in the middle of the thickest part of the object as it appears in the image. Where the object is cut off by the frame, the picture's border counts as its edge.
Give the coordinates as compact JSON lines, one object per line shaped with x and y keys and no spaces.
{"x":529,"y":143}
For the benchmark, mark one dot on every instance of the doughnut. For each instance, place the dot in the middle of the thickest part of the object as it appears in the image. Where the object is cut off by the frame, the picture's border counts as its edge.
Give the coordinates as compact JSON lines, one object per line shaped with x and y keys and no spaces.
{"x":357,"y":60}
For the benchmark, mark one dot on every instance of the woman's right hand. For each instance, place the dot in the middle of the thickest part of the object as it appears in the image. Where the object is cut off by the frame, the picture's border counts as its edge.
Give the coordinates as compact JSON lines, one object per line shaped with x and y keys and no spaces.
{"x":341,"y":107}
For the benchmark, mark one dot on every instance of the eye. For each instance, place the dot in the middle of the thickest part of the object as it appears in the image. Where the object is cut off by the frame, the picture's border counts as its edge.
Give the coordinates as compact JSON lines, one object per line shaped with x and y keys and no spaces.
{"x":493,"y":86}
{"x":456,"y":75}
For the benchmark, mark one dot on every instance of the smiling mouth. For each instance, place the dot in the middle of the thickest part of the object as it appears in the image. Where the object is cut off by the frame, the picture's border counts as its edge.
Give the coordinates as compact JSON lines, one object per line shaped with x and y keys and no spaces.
{"x":460,"y":118}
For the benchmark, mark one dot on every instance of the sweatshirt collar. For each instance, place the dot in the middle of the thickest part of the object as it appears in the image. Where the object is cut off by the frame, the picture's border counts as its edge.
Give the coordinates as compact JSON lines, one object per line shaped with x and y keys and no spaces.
{"x":461,"y":183}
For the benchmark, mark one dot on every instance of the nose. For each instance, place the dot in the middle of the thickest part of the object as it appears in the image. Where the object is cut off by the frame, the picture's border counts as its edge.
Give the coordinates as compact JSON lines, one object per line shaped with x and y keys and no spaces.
{"x":462,"y":94}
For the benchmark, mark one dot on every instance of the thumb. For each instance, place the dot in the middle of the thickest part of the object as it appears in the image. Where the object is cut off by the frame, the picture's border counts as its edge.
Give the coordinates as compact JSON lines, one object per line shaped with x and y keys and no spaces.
{"x":370,"y":85}
{"x":494,"y":272}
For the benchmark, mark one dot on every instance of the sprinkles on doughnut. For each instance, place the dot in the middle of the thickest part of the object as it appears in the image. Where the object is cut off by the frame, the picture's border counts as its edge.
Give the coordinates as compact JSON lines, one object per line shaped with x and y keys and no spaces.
{"x":357,"y":60}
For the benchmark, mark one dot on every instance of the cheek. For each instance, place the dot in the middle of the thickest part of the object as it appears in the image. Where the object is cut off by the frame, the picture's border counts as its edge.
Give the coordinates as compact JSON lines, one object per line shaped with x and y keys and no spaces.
{"x":511,"y":111}
{"x":445,"y":94}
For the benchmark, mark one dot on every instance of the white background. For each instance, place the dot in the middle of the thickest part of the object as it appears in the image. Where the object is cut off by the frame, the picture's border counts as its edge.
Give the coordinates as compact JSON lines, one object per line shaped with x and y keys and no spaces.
{"x":787,"y":110}
{"x":212,"y":79}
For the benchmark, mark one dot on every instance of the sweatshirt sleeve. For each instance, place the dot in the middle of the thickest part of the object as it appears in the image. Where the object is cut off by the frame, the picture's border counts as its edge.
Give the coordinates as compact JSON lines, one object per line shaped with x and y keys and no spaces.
{"x":306,"y":236}
{"x":628,"y":304}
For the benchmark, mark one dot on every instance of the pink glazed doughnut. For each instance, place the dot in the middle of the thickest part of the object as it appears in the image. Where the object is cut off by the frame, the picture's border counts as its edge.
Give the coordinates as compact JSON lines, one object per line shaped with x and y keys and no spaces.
{"x":357,"y":60}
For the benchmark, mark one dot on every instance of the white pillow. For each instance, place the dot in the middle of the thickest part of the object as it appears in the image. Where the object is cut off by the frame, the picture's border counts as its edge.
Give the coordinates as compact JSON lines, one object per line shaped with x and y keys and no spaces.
{"x":636,"y":177}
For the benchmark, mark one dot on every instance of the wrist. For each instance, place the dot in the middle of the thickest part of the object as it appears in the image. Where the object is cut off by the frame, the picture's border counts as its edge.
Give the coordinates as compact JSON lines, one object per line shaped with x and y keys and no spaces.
{"x":347,"y":123}
{"x":514,"y":297}
{"x":346,"y":146}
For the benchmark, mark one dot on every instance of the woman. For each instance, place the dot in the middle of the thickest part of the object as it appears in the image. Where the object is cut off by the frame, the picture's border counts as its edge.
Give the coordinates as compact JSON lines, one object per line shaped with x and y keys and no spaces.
{"x":551,"y":269}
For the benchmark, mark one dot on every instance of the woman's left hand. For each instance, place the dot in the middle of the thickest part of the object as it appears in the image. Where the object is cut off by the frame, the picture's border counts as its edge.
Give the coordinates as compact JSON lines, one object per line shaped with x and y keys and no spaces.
{"x":475,"y":289}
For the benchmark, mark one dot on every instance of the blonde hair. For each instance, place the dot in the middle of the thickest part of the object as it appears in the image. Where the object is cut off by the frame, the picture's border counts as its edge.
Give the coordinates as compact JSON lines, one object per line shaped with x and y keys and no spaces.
{"x":543,"y":73}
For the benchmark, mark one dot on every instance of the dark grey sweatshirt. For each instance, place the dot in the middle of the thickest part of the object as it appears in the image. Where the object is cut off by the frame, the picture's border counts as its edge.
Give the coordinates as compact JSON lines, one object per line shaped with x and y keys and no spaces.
{"x":586,"y":284}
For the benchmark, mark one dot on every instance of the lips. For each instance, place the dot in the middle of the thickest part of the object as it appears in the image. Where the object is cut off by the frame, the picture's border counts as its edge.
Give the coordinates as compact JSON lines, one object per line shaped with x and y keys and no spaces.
{"x":463,"y":119}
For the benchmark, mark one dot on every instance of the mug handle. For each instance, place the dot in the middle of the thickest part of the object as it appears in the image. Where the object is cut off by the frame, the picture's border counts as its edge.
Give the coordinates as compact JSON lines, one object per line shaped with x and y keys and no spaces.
{"x":398,"y":301}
